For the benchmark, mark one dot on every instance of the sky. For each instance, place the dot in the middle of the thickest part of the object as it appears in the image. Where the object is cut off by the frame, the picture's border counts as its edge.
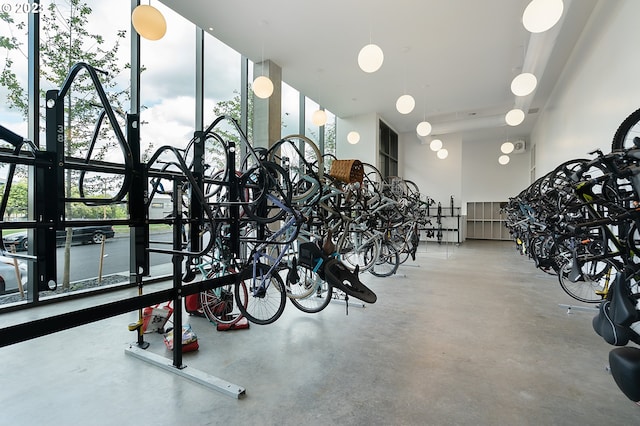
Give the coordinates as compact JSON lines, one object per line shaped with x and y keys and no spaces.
{"x":168,"y":83}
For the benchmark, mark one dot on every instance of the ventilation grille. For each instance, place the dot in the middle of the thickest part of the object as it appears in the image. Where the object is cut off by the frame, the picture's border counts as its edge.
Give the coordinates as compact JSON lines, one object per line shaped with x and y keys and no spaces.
{"x":519,"y":147}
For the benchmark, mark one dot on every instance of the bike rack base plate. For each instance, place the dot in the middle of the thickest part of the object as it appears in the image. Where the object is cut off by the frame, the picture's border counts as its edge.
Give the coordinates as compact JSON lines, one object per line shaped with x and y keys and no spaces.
{"x":192,"y":374}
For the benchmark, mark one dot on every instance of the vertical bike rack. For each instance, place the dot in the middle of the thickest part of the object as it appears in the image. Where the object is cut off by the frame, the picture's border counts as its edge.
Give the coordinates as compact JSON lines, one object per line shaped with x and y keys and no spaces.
{"x":195,"y":216}
{"x":49,"y":201}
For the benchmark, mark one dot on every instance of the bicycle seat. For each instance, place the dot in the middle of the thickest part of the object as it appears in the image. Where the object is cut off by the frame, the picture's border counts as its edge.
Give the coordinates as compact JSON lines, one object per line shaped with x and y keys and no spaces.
{"x":611,"y":332}
{"x":625,"y":369}
{"x":340,"y":277}
{"x":623,"y":307}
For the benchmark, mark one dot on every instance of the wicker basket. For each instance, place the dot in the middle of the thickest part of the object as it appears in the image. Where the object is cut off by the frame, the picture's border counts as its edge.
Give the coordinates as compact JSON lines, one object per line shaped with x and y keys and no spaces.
{"x":347,"y":171}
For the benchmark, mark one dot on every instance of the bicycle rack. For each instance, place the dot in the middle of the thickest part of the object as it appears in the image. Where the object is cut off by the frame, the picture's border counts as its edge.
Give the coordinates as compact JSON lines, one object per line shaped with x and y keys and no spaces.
{"x":49,"y":201}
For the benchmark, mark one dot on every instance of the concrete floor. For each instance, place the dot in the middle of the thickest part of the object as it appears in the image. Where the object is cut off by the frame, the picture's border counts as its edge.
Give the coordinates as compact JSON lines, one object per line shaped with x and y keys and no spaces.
{"x":468,"y":335}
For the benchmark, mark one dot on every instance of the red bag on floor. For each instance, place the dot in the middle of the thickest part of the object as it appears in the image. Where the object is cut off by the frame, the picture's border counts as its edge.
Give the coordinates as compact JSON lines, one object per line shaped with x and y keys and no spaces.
{"x":189,"y":339}
{"x":193,"y":306}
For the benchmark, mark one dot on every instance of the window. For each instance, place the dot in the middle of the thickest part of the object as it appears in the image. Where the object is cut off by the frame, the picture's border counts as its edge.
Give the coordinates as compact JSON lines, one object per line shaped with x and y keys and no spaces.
{"x":388,"y":151}
{"x":290,"y":110}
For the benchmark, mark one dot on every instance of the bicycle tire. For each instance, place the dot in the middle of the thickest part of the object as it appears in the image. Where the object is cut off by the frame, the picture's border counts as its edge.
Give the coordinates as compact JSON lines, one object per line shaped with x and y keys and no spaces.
{"x":594,"y":280}
{"x":257,"y":183}
{"x":315,"y":293}
{"x":219,"y":308}
{"x":261,"y":306}
{"x":360,"y":249}
{"x":301,"y":158}
{"x":387,"y":262}
{"x":626,"y":134}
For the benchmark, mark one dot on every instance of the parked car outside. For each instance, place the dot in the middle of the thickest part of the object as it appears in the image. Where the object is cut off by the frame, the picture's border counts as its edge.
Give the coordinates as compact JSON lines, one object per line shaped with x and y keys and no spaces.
{"x":8,"y":278}
{"x":84,"y":235}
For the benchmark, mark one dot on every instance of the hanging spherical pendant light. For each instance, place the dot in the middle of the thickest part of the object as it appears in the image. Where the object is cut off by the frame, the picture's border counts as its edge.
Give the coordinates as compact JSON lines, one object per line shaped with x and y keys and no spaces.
{"x":542,"y":15}
{"x":262,"y":87}
{"x":370,"y":58}
{"x":405,"y":104}
{"x":514,"y":117}
{"x":148,"y":22}
{"x":319,"y":118}
{"x":435,"y":145}
{"x":423,"y":128}
{"x":507,"y":147}
{"x":524,"y":84}
{"x":353,"y":137}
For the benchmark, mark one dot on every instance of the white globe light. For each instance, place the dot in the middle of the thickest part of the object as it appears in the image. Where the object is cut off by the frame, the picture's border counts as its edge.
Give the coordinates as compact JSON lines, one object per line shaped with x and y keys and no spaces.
{"x":353,"y":138}
{"x":507,"y":148}
{"x":148,"y":22}
{"x":319,"y":117}
{"x":523,"y":84}
{"x":435,"y":145}
{"x":423,"y":128}
{"x":405,"y":104}
{"x":443,"y":153}
{"x":503,"y":159}
{"x":514,"y":117}
{"x":541,"y":15}
{"x":370,"y":58}
{"x":262,"y":87}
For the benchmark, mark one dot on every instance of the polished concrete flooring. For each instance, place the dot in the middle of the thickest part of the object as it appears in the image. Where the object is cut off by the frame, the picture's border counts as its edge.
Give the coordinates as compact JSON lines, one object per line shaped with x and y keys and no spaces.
{"x":466,"y":335}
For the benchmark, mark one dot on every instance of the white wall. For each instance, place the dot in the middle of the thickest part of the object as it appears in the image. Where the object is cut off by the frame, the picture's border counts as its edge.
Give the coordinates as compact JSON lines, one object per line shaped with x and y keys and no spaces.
{"x":367,"y":149}
{"x":598,"y":89}
{"x":470,"y":173}
{"x":438,"y":179}
{"x":484,"y":179}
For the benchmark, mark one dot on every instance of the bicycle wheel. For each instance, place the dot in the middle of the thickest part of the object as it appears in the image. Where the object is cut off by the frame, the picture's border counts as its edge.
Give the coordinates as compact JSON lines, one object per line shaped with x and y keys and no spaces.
{"x":387,"y":262}
{"x":593,"y":283}
{"x":265,"y":296}
{"x":628,"y":133}
{"x":360,"y":248}
{"x":300,"y":157}
{"x":218,"y":304}
{"x":264,"y":190}
{"x":311,"y":293}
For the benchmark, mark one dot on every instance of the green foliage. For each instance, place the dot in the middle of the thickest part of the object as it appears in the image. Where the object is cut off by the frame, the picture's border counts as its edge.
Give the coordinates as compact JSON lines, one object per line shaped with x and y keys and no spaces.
{"x":65,"y":40}
{"x":215,"y":156}
{"x":18,"y":200}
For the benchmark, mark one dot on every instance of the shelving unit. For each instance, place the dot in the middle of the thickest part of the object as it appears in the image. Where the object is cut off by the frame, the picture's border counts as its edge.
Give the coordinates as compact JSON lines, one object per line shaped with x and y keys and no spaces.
{"x":484,"y":221}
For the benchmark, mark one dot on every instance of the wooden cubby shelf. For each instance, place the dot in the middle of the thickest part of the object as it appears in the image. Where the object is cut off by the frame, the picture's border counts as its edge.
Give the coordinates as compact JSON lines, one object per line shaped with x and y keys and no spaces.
{"x":484,"y":221}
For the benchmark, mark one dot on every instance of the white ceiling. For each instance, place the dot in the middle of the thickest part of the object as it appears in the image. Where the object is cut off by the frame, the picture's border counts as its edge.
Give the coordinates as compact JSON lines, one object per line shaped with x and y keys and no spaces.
{"x":455,"y":57}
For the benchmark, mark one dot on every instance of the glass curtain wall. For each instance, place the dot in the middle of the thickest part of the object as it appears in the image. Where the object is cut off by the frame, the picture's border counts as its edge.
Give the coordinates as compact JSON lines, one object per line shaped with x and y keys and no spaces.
{"x":290,"y":110}
{"x":98,"y":33}
{"x":167,"y":114}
